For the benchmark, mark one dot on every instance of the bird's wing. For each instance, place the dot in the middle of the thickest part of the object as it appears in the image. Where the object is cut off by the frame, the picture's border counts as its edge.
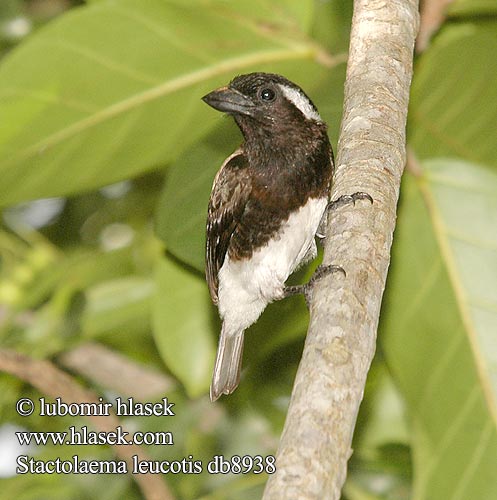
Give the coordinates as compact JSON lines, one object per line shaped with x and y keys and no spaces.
{"x":229,"y":196}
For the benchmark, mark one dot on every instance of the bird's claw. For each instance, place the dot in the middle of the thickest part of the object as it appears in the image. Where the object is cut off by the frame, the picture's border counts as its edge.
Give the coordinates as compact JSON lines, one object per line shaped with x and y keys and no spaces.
{"x":308,"y":288}
{"x":348,"y":198}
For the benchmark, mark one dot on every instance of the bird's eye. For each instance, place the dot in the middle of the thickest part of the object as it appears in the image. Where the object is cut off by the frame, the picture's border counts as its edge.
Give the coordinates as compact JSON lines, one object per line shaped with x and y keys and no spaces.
{"x":267,"y":95}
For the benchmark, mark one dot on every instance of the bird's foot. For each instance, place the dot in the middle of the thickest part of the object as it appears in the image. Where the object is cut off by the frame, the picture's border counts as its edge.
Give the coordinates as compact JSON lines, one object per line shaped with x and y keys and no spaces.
{"x":348,"y":198}
{"x":308,"y":288}
{"x":333,"y":205}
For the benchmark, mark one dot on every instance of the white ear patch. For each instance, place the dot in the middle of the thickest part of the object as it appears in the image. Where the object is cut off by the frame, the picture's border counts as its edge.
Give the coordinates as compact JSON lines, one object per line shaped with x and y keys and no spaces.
{"x":301,"y":101}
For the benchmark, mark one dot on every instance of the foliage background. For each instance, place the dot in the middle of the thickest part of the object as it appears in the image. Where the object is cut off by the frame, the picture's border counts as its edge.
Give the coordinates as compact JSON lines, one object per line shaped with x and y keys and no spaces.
{"x":107,"y":156}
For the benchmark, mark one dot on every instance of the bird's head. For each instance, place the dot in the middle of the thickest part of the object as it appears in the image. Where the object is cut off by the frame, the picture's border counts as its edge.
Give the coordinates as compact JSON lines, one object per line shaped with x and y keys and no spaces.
{"x":265,"y":105}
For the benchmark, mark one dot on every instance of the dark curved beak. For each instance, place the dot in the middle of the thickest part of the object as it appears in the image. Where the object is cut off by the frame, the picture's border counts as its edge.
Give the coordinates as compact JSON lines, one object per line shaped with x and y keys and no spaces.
{"x":229,"y":100}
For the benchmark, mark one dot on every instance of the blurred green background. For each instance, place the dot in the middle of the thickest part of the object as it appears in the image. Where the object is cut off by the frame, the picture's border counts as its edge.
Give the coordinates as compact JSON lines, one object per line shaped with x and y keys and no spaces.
{"x":107,"y":156}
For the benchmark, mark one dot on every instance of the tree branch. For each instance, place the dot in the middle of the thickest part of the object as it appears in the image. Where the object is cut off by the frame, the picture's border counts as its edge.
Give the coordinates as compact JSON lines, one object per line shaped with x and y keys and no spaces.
{"x":340,"y":345}
{"x":112,"y":370}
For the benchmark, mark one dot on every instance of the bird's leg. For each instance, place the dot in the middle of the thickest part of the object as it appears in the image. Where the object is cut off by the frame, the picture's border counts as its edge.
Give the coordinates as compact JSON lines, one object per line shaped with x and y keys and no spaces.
{"x":307,"y":289}
{"x":339,"y":202}
{"x":345,"y":199}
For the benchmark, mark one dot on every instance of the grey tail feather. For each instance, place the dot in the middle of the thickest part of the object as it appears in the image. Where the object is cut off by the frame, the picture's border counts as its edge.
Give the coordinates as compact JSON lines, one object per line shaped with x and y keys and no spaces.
{"x":228,"y":364}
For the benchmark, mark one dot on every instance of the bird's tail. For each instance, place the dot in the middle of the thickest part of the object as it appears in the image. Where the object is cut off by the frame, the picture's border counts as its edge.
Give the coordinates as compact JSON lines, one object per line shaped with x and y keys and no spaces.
{"x":228,"y":364}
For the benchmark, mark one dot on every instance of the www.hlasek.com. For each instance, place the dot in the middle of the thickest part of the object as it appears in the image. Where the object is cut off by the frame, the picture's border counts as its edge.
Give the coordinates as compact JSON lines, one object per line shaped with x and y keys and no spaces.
{"x":83,"y":436}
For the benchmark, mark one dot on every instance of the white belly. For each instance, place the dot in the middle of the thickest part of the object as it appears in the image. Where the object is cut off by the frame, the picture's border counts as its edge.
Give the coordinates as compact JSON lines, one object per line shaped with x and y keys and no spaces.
{"x":247,"y":286}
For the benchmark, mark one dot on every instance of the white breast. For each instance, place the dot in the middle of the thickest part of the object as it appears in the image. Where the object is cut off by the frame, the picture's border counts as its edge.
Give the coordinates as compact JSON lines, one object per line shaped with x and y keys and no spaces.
{"x":247,"y":286}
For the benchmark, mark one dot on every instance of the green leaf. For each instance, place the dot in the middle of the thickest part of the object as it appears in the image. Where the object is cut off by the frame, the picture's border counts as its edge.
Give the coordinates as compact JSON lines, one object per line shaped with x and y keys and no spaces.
{"x":183,"y":321}
{"x":182,"y":211}
{"x":472,"y":7}
{"x":118,"y":306}
{"x":332,"y":23}
{"x":112,"y":89}
{"x":380,"y":467}
{"x":452,"y":110}
{"x":381,"y":420}
{"x":438,"y":330}
{"x":293,"y":14}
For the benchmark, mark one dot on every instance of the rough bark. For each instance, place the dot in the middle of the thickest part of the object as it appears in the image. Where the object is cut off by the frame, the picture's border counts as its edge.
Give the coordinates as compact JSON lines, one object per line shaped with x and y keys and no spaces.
{"x":316,"y":442}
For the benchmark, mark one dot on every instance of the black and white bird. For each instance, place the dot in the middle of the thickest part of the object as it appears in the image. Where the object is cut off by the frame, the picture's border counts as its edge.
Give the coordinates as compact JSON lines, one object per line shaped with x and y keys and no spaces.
{"x":265,"y":208}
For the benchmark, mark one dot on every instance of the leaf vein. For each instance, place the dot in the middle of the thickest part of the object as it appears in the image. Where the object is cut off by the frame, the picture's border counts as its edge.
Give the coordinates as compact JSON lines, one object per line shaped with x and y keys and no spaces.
{"x":473,"y":462}
{"x":154,"y":93}
{"x":105,"y":62}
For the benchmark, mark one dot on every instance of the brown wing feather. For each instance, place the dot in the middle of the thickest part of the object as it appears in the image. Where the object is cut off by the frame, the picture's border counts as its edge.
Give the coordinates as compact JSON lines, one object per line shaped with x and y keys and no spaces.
{"x":229,"y":196}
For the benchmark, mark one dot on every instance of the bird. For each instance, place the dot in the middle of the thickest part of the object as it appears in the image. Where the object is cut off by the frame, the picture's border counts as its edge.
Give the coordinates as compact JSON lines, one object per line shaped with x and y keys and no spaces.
{"x":266,"y":205}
